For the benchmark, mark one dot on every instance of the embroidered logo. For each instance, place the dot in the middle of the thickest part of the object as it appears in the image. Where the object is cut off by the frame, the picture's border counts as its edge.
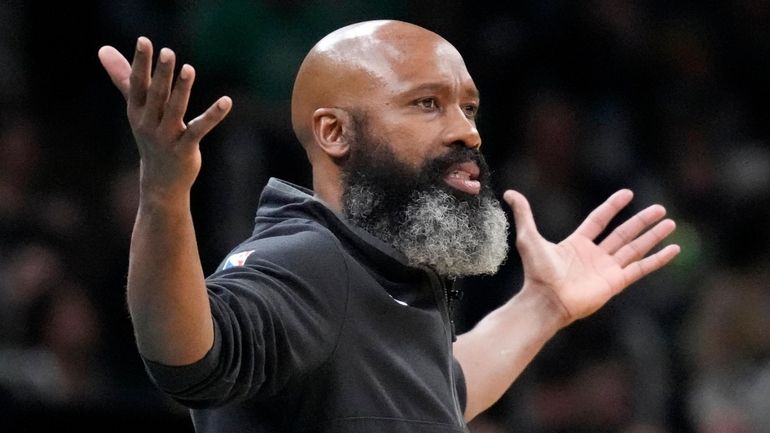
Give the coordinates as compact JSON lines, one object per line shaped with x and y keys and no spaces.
{"x":237,"y":259}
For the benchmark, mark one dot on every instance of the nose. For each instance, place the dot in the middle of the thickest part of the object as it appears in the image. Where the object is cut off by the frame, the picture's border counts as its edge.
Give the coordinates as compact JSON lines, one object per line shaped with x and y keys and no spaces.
{"x":461,"y":129}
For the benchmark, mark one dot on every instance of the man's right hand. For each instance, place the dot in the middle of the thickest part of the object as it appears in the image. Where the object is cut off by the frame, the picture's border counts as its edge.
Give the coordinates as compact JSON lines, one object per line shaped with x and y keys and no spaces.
{"x":166,"y":289}
{"x":168,"y":147}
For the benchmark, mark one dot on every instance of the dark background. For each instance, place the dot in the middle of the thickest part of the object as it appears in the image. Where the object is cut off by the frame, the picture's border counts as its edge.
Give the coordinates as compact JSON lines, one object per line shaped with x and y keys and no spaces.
{"x":579,"y":99}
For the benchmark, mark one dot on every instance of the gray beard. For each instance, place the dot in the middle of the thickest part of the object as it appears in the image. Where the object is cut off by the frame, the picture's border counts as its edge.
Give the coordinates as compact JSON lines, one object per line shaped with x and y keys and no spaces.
{"x":453,"y":237}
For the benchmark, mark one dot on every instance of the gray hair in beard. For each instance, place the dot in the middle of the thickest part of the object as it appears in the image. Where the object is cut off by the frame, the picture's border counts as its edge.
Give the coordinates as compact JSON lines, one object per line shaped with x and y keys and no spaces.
{"x":414,"y":211}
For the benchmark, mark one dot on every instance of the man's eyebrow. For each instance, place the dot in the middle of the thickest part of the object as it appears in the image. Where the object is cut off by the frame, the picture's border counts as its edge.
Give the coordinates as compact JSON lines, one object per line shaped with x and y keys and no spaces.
{"x":472,"y":92}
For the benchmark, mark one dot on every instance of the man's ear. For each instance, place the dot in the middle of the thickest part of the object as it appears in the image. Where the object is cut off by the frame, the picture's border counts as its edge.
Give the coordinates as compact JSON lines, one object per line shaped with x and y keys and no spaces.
{"x":331,"y":129}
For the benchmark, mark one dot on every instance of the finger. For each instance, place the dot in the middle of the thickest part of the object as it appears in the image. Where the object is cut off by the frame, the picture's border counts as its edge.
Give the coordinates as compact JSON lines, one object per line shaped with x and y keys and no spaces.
{"x":180,"y":96}
{"x":140,"y":73}
{"x":201,"y":125}
{"x":600,"y":217}
{"x":160,"y":86}
{"x":639,"y":269}
{"x":526,"y":230}
{"x":640,"y":246}
{"x":630,"y":229}
{"x":117,"y":68}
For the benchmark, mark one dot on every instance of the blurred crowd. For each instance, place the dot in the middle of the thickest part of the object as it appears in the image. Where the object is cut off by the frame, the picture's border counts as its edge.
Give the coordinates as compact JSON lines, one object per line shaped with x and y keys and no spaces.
{"x":579,"y":99}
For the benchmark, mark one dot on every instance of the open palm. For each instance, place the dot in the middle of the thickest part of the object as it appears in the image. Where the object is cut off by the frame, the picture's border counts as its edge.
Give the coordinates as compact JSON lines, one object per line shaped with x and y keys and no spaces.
{"x":580,"y":274}
{"x":156,"y":106}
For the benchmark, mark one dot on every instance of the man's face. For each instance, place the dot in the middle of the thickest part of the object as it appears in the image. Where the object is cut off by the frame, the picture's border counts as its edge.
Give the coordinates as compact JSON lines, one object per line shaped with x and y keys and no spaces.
{"x":455,"y":231}
{"x":422,"y":102}
{"x":414,"y":177}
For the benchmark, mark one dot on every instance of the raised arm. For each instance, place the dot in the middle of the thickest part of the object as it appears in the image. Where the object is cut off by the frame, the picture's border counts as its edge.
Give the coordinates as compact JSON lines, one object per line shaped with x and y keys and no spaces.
{"x":562,"y":283}
{"x":167,"y":296}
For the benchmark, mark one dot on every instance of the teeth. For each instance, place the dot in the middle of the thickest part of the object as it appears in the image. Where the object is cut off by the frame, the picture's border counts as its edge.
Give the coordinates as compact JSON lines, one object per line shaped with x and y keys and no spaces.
{"x":460,"y":175}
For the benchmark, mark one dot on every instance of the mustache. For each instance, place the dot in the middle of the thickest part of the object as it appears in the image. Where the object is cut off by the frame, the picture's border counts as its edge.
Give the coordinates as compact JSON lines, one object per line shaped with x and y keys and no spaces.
{"x":459,"y":153}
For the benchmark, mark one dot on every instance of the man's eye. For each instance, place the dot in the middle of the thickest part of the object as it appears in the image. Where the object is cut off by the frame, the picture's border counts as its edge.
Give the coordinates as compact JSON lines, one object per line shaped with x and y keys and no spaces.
{"x":471,"y":110}
{"x":427,"y":103}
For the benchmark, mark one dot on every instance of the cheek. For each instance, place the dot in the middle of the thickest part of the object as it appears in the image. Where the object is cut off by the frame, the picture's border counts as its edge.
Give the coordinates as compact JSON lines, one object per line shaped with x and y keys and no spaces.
{"x":412,"y":144}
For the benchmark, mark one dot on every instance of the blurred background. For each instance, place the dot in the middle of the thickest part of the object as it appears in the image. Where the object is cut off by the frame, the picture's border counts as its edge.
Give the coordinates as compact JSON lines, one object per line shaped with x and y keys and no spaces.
{"x":669,"y":98}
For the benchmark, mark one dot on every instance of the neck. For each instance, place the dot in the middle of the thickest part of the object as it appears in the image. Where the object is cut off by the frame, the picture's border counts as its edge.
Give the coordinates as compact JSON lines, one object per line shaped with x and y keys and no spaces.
{"x":328,"y":187}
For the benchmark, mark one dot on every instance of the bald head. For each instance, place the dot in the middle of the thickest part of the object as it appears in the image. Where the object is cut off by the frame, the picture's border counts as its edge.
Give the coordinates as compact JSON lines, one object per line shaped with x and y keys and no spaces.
{"x":344,"y":68}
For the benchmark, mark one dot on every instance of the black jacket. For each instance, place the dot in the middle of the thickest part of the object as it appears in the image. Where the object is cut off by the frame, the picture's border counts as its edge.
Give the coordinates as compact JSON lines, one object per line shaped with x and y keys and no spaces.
{"x":320,"y":327}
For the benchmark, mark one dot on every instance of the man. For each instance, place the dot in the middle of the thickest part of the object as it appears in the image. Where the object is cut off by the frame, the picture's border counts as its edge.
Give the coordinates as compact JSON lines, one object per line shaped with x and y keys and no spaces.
{"x":335,"y":314}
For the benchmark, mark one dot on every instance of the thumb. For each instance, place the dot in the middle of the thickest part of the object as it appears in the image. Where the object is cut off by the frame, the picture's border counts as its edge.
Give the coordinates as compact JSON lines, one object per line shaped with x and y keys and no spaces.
{"x":526,"y":230}
{"x":117,"y":68}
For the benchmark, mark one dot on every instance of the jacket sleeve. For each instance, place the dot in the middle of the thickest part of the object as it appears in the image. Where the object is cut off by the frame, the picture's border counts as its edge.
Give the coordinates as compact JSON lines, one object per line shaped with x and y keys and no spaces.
{"x":278,"y":306}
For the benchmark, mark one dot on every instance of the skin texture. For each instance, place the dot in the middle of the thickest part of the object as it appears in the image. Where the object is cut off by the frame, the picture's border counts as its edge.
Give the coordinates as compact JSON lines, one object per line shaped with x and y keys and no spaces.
{"x":419,"y":98}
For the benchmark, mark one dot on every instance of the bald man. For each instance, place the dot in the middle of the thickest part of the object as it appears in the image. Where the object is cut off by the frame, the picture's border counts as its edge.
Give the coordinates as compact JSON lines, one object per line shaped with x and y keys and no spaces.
{"x":335,"y":316}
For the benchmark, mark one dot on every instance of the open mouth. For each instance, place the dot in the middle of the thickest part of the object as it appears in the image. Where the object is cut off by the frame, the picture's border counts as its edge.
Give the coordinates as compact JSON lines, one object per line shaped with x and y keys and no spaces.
{"x":464,"y":177}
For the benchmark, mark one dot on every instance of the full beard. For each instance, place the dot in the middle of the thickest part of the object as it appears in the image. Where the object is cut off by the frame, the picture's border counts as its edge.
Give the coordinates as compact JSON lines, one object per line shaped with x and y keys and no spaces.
{"x":415,"y":211}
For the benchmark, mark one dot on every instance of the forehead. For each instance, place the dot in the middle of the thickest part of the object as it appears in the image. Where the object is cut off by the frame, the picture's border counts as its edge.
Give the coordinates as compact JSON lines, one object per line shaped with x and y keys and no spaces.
{"x":401,"y":63}
{"x":436,"y":63}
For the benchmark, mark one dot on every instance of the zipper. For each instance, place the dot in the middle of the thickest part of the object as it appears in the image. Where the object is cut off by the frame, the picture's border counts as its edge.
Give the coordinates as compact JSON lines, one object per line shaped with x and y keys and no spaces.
{"x":450,"y":294}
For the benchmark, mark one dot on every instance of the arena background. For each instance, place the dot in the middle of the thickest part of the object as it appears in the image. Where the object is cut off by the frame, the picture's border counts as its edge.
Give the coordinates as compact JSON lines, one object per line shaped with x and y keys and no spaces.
{"x":670,"y":98}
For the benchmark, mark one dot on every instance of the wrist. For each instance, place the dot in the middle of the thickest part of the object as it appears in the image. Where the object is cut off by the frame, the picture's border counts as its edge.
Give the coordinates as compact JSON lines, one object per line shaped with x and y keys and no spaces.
{"x":168,"y":205}
{"x":545,"y":304}
{"x":159,"y":185}
{"x":154,"y":195}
